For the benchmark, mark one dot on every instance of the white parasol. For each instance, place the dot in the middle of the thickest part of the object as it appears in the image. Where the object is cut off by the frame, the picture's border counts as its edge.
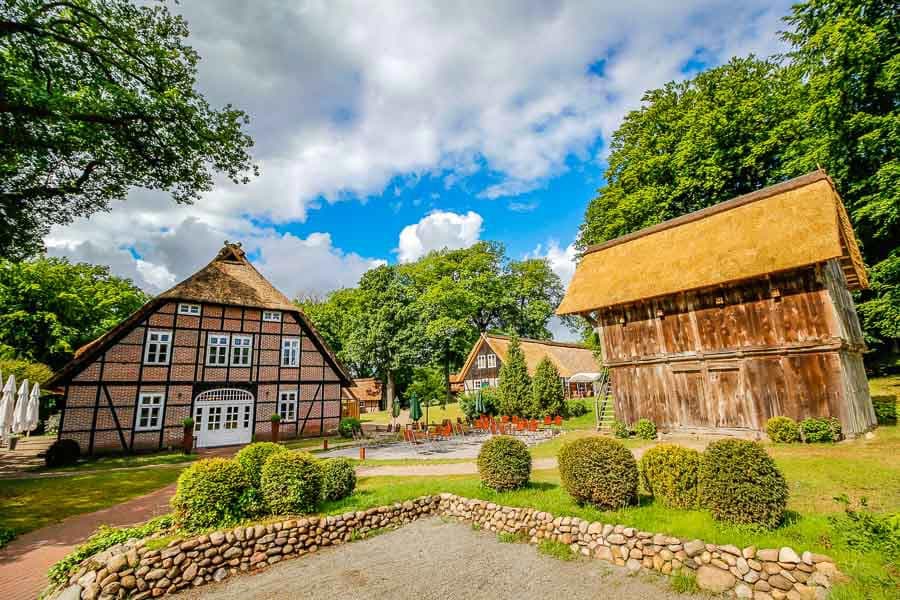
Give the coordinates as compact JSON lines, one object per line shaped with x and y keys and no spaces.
{"x":7,"y":406}
{"x":34,"y":404}
{"x":20,"y":414}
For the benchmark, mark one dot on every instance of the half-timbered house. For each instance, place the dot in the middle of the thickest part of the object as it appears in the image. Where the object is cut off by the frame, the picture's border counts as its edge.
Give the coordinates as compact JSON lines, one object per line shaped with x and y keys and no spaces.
{"x":223,"y":347}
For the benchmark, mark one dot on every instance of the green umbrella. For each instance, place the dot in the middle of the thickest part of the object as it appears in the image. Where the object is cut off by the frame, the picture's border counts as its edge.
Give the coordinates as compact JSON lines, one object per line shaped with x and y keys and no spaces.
{"x":415,"y":410}
{"x":479,"y":403}
{"x":395,"y":408}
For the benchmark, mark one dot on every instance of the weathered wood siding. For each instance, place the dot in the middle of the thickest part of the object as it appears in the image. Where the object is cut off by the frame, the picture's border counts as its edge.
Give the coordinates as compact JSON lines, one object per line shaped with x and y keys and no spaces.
{"x":731,"y":357}
{"x":474,"y":374}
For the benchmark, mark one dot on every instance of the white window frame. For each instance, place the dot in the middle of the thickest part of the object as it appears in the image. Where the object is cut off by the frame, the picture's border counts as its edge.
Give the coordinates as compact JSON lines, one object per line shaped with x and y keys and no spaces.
{"x":185,"y":308}
{"x":290,"y":352}
{"x":491,"y":361}
{"x":156,"y":344}
{"x":287,"y":405}
{"x":239,"y":344}
{"x":482,"y":361}
{"x":150,"y":402}
{"x":272,"y":316}
{"x":217,"y":341}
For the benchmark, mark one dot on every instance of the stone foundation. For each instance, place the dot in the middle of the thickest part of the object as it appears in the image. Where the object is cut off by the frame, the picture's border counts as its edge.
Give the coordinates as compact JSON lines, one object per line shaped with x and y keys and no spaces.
{"x":132,"y":570}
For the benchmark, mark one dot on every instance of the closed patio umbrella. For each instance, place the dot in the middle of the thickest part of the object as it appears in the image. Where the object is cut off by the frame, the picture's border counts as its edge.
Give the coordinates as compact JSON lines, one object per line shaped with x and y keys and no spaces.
{"x":415,"y":409}
{"x":395,"y":408}
{"x":34,"y":404}
{"x":19,"y":424}
{"x":479,"y":403}
{"x":7,"y":406}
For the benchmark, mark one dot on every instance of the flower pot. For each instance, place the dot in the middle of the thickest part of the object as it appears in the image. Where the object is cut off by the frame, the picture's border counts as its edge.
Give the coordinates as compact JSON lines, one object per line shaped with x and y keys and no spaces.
{"x":275,"y":425}
{"x":12,"y":443}
{"x":187,"y":442}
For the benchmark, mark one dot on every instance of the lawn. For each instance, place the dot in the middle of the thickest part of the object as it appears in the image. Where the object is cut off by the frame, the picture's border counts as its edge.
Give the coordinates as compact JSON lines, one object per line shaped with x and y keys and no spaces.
{"x":885,"y":386}
{"x":436,"y":414}
{"x":126,"y":461}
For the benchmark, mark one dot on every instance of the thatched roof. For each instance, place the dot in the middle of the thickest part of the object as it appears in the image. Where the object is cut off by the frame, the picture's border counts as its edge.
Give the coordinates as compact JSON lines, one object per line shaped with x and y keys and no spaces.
{"x":365,"y":388}
{"x":568,"y":358}
{"x":797,"y":223}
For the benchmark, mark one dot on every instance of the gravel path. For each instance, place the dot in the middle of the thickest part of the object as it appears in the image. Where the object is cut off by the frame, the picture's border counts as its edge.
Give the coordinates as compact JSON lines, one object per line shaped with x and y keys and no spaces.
{"x":435,"y":560}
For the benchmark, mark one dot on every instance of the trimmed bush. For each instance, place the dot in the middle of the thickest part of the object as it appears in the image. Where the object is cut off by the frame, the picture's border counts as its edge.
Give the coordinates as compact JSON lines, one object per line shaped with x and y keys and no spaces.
{"x":783,"y":430}
{"x":291,"y":483}
{"x":209,"y":494}
{"x":599,"y":471}
{"x":338,"y":478}
{"x":577,"y":408}
{"x":818,"y":430}
{"x":253,"y":457}
{"x":669,"y":473}
{"x":504,"y":463}
{"x":645,"y":429}
{"x":620,"y":429}
{"x":62,"y":453}
{"x":885,"y":409}
{"x":348,"y":425}
{"x":740,"y":483}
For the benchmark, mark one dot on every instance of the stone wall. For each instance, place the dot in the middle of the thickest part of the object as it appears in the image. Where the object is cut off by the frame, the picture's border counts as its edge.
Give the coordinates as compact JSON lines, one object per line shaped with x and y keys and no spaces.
{"x":134,"y":570}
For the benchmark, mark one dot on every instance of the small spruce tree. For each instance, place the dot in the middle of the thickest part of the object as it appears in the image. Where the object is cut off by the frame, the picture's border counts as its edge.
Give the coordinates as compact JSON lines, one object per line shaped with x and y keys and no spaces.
{"x":548,"y":397}
{"x":515,"y":384}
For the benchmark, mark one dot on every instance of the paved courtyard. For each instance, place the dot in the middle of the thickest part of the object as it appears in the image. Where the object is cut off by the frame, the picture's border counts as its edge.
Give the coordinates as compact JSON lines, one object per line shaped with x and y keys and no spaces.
{"x":436,"y":560}
{"x":456,"y":448}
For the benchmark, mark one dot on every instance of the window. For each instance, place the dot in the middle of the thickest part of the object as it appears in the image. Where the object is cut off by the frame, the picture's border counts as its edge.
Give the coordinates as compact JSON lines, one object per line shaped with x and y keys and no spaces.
{"x":150,"y":407}
{"x":272,"y":315}
{"x":158,"y":345}
{"x":485,"y":383}
{"x":287,"y":406}
{"x":188,"y":309}
{"x":216,"y":350}
{"x":241,"y":347}
{"x":481,"y":361}
{"x":290,"y":352}
{"x":491,"y":361}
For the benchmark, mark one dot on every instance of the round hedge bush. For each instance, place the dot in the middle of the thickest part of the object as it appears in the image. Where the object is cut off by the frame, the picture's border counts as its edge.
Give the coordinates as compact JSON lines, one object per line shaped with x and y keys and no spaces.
{"x":291,"y":483}
{"x":253,"y":457}
{"x":599,"y":471}
{"x":504,"y":463}
{"x":740,"y":483}
{"x":209,"y":494}
{"x":783,"y":430}
{"x":620,"y":429}
{"x":338,"y":478}
{"x":62,"y":453}
{"x":348,"y":425}
{"x":820,"y":430}
{"x":645,"y":429}
{"x":669,"y":473}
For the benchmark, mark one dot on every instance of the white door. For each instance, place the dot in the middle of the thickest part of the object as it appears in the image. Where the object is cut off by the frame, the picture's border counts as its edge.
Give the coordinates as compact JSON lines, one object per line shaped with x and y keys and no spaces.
{"x":223,"y":417}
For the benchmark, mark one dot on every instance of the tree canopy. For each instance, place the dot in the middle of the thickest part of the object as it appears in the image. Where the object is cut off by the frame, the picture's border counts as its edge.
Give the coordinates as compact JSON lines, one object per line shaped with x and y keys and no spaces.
{"x":49,"y":307}
{"x":97,"y":97}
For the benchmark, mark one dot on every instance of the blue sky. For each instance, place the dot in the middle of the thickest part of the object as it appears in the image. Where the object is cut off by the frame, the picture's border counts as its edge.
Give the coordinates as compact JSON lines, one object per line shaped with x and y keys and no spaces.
{"x":387,"y":129}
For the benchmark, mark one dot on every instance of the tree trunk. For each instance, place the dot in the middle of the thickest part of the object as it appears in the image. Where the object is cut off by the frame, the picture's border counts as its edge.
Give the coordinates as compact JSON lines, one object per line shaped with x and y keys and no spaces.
{"x":389,"y":394}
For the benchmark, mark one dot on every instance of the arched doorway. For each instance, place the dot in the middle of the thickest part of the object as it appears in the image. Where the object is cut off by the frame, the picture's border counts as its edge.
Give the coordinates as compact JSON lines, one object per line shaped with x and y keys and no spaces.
{"x":223,"y":417}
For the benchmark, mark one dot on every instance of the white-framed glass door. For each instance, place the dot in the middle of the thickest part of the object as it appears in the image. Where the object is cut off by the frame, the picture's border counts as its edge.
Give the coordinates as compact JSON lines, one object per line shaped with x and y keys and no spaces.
{"x":223,"y":417}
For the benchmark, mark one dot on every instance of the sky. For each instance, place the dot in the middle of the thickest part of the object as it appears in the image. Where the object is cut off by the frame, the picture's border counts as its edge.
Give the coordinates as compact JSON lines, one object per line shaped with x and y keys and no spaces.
{"x":384,"y":130}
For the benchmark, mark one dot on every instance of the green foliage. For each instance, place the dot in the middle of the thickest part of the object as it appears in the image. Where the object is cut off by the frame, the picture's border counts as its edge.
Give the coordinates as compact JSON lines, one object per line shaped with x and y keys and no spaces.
{"x":575,"y":408}
{"x":514,"y":383}
{"x":820,"y":430}
{"x":556,"y":550}
{"x":348,"y":425}
{"x":209,"y":493}
{"x":187,"y":422}
{"x":669,"y":473}
{"x":783,"y":430}
{"x":338,"y":478}
{"x":599,"y":471}
{"x":547,"y":390}
{"x":490,"y":397}
{"x":684,"y":582}
{"x":292,"y":483}
{"x":100,"y":96}
{"x":428,"y":385}
{"x":867,"y":531}
{"x":885,"y":409}
{"x":34,"y":372}
{"x":252,"y":504}
{"x":275,"y":418}
{"x":645,"y":429}
{"x":252,"y":457}
{"x":49,"y":307}
{"x":504,"y":463}
{"x":62,"y":453}
{"x":51,"y":425}
{"x":6,"y":535}
{"x":740,"y":483}
{"x":105,"y":537}
{"x":620,"y":429}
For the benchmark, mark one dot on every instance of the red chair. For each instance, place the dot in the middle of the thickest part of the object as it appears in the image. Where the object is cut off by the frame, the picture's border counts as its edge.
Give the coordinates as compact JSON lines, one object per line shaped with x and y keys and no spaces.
{"x":520,"y":426}
{"x":504,"y":419}
{"x":547,"y":421}
{"x":557,"y":421}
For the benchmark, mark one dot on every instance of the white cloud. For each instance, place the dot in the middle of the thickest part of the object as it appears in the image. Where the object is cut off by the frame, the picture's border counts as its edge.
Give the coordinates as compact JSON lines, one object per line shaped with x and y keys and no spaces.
{"x":437,"y":230}
{"x":562,"y":260}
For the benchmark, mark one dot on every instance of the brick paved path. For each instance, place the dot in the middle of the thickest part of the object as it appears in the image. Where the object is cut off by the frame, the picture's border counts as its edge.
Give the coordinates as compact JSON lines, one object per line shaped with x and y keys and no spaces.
{"x":25,"y":561}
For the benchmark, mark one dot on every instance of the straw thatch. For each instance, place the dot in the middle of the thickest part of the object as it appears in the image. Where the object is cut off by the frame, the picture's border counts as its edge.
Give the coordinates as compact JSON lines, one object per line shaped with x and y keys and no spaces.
{"x":365,"y":389}
{"x":568,"y":358}
{"x":797,"y":223}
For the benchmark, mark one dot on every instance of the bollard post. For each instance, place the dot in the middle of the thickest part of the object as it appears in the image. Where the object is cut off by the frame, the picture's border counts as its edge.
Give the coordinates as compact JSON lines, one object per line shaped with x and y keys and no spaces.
{"x":325,"y":444}
{"x":362,"y":453}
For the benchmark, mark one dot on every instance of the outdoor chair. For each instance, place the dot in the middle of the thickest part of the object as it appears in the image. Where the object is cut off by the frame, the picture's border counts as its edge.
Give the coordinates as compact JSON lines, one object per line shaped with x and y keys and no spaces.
{"x":520,"y":427}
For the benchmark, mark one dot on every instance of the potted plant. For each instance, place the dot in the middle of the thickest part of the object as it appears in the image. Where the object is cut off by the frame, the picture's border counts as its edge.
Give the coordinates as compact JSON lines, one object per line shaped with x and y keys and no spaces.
{"x":12,"y":440}
{"x":187,"y":442}
{"x":276,"y":419}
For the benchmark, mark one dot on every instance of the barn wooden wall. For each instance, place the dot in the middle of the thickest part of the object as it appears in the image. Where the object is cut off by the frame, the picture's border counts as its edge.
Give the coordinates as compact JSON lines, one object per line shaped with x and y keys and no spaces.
{"x":730,"y":358}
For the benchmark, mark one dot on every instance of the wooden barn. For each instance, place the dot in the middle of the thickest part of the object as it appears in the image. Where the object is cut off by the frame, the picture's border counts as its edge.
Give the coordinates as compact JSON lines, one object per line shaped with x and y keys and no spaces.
{"x":223,"y":347}
{"x":725,"y":317}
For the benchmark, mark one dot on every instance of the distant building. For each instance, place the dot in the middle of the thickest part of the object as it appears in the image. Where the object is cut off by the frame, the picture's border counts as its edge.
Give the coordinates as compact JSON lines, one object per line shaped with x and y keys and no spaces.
{"x":725,"y":317}
{"x":482,"y":367}
{"x":368,"y":393}
{"x":223,"y":347}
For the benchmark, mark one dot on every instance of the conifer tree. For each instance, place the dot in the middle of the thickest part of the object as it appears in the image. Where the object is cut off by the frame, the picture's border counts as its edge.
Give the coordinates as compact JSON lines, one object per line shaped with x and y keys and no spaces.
{"x":548,"y":397}
{"x":515,"y":384}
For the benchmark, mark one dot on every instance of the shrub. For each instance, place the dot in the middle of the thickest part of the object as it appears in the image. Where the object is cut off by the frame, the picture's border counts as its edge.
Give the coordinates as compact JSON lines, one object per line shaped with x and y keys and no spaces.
{"x":62,"y":453}
{"x":489,"y":396}
{"x":348,"y":425}
{"x":338,"y":478}
{"x":820,"y":430}
{"x":209,"y":493}
{"x":548,"y":396}
{"x":740,"y":483}
{"x":885,"y":409}
{"x":620,"y":429}
{"x":867,"y":531}
{"x":599,"y":471}
{"x":670,"y":474}
{"x":783,"y":430}
{"x":577,"y":408}
{"x":253,"y":457}
{"x":504,"y":463}
{"x":291,"y":483}
{"x":645,"y":429}
{"x":52,"y":424}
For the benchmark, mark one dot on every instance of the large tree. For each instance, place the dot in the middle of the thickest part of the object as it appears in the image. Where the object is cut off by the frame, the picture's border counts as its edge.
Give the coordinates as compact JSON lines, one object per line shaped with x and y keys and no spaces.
{"x":97,"y":97}
{"x":514,"y":383}
{"x":49,"y":307}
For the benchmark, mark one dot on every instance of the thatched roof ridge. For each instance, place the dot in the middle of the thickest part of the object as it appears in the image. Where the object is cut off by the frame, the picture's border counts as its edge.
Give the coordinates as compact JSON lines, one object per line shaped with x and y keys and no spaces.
{"x":796,"y":223}
{"x":569,"y":358}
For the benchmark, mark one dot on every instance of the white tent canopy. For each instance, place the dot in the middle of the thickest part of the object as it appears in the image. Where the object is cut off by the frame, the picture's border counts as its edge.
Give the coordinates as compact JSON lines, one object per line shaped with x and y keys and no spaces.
{"x":586,"y":377}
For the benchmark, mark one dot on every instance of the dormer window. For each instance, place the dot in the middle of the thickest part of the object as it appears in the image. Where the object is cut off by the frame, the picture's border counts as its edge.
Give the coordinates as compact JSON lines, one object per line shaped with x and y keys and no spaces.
{"x":188,"y":309}
{"x":491,"y":361}
{"x":273,"y":316}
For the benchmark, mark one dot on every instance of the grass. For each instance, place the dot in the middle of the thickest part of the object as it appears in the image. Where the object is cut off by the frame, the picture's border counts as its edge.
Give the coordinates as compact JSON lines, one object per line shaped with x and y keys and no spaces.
{"x":550,"y":448}
{"x":436,"y":414}
{"x":885,"y":386}
{"x":556,"y":550}
{"x":506,"y":537}
{"x":315,"y":443}
{"x":102,"y":463}
{"x":684,"y":582}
